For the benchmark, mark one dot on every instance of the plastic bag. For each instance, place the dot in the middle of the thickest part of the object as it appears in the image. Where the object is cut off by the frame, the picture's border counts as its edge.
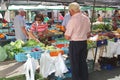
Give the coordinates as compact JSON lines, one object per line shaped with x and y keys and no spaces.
{"x":49,"y":65}
{"x":46,"y":65}
{"x":111,"y":49}
{"x":118,"y":51}
{"x":60,"y":66}
{"x":30,"y":68}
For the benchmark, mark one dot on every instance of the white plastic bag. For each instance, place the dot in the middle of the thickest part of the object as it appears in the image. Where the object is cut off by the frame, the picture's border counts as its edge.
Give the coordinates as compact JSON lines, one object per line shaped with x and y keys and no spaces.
{"x":60,"y":66}
{"x":30,"y":68}
{"x":46,"y":65}
{"x":118,"y":50}
{"x":116,"y":78}
{"x":111,"y":49}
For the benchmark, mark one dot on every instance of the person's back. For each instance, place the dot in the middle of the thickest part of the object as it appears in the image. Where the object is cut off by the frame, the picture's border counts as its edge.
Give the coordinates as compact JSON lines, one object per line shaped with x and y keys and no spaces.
{"x":60,"y":17}
{"x":76,"y":32}
{"x":82,"y":25}
{"x":19,"y":25}
{"x":66,"y":19}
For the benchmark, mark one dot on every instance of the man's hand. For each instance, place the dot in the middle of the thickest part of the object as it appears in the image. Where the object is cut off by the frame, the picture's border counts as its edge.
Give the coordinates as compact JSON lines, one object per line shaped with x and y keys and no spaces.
{"x":67,"y":37}
{"x":37,"y":40}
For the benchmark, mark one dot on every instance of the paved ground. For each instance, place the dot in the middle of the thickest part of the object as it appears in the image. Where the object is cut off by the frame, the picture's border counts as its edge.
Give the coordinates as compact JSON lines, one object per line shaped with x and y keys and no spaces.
{"x":10,"y":68}
{"x":13,"y":68}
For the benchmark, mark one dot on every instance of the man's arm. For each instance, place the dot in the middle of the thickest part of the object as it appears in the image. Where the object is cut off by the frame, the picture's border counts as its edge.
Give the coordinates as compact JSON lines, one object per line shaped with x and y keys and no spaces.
{"x":67,"y":37}
{"x":32,"y":36}
{"x":24,"y":31}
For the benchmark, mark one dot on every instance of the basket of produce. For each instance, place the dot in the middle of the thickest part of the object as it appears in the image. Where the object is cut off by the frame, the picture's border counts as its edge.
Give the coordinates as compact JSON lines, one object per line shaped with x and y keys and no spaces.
{"x":60,"y":45}
{"x":20,"y":57}
{"x":66,"y":50}
{"x":2,"y":36}
{"x":36,"y":54}
{"x":56,"y":52}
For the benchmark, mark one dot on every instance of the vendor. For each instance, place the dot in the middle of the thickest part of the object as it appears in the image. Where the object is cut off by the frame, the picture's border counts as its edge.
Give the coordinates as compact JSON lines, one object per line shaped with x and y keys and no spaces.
{"x":38,"y":28}
{"x":99,"y":18}
{"x":116,"y":20}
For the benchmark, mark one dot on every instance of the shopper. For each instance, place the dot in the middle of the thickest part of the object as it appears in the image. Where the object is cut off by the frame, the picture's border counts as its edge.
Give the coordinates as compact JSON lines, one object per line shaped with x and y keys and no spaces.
{"x":116,"y":20}
{"x":99,"y":18}
{"x":76,"y":32}
{"x":60,"y":17}
{"x":19,"y":24}
{"x":46,"y":19}
{"x":66,"y":19}
{"x":38,"y":28}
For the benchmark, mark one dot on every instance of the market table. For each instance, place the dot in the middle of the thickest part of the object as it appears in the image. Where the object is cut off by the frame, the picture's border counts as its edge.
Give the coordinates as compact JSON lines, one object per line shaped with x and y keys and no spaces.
{"x":99,"y":44}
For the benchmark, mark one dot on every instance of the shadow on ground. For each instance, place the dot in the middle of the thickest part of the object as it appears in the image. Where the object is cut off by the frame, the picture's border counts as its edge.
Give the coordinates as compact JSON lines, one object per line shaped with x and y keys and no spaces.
{"x":104,"y":74}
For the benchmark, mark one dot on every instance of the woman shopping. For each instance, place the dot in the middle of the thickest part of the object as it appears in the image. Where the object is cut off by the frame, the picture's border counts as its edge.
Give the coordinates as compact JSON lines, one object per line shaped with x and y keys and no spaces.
{"x":38,"y":28}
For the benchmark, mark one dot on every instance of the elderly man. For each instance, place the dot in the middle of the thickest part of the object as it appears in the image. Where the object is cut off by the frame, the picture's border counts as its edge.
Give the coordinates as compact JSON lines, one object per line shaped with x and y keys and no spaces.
{"x":19,"y":24}
{"x":77,"y":30}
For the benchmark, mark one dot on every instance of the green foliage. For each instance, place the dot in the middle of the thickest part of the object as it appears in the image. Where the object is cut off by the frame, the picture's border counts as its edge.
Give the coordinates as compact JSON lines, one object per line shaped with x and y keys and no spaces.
{"x":31,"y":42}
{"x":3,"y":54}
{"x":91,"y":44}
{"x":13,"y":48}
{"x":101,"y":27}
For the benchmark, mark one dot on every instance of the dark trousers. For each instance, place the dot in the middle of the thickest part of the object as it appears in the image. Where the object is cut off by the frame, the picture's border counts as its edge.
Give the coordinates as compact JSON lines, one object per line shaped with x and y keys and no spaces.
{"x":78,"y":54}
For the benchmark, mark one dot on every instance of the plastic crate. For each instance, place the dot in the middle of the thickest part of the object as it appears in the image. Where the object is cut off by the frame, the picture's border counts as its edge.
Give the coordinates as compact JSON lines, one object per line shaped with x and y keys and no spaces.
{"x":27,"y":49}
{"x":65,"y":49}
{"x":3,"y":38}
{"x":4,"y":42}
{"x":107,"y":67}
{"x":10,"y":37}
{"x":36,"y":54}
{"x":21,"y":57}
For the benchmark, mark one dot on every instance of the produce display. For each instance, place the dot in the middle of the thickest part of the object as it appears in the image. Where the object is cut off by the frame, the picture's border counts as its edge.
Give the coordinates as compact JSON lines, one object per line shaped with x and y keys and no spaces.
{"x":101,"y":32}
{"x":118,"y":30}
{"x":31,"y":46}
{"x":91,"y":44}
{"x":2,"y":36}
{"x":101,"y":27}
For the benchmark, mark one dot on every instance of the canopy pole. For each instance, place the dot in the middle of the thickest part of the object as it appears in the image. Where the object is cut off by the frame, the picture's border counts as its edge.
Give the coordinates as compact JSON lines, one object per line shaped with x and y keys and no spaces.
{"x":93,"y":13}
{"x":91,"y":30}
{"x":64,"y":9}
{"x":104,"y":19}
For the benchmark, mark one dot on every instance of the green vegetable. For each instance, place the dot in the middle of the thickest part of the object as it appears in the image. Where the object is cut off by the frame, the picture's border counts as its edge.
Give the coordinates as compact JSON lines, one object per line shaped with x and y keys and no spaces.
{"x":31,"y":42}
{"x":41,"y":44}
{"x":3,"y":54}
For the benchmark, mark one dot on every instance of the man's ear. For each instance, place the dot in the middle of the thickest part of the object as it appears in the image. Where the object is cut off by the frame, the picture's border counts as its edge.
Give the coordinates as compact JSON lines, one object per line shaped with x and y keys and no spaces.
{"x":71,"y":12}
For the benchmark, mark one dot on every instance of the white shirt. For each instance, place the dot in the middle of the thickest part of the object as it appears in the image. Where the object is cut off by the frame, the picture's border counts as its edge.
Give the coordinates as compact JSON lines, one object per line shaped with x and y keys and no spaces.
{"x":19,"y":22}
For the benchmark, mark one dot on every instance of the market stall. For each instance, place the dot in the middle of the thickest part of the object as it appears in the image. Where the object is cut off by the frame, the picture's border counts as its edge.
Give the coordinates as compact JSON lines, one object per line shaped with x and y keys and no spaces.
{"x":102,"y":33}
